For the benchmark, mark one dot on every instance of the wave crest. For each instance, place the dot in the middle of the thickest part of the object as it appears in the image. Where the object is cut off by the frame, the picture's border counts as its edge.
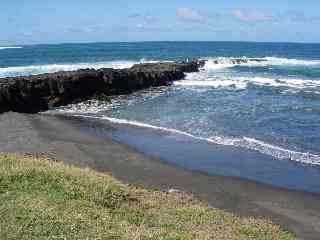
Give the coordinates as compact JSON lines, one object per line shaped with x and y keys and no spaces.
{"x":51,"y":68}
{"x":2,"y":48}
{"x":241,"y":83}
{"x":227,"y":62}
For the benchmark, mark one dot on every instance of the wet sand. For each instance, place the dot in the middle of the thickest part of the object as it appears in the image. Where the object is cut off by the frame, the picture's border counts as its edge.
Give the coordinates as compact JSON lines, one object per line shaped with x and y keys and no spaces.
{"x":296,"y":211}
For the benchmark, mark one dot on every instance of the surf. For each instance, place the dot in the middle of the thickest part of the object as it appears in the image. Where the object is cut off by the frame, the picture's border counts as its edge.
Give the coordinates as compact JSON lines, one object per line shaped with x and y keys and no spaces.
{"x":277,"y":152}
{"x":239,"y":82}
{"x":51,"y":68}
{"x":213,"y":63}
{"x":3,"y":48}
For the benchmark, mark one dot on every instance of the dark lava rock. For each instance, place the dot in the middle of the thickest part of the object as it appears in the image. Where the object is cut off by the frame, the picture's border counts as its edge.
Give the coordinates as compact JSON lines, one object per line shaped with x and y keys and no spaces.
{"x":33,"y":94}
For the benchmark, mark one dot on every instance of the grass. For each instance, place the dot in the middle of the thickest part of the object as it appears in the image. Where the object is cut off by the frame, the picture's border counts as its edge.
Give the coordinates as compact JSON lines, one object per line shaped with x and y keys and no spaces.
{"x":42,"y":199}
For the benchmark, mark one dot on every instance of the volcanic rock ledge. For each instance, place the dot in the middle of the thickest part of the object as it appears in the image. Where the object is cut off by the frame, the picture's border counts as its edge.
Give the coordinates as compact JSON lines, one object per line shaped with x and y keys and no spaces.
{"x":33,"y":94}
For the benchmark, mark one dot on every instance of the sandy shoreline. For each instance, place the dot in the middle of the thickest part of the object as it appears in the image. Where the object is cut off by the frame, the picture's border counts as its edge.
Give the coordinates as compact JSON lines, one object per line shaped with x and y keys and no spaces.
{"x":297,"y":212}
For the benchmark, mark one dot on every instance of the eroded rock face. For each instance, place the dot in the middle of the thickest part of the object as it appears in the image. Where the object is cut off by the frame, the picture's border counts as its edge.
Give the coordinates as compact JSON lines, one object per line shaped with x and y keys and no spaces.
{"x":33,"y":94}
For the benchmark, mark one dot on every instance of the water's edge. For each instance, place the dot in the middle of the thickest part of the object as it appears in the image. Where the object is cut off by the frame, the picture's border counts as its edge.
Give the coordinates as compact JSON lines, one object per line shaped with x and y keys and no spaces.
{"x":198,"y":155}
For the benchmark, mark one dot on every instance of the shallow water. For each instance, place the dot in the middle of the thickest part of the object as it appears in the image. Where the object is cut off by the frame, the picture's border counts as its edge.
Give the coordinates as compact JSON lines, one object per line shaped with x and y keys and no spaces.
{"x":197,"y":155}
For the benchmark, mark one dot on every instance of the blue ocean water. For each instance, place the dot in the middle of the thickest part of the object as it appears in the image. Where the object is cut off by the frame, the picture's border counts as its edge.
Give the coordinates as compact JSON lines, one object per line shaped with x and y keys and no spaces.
{"x":271,"y":106}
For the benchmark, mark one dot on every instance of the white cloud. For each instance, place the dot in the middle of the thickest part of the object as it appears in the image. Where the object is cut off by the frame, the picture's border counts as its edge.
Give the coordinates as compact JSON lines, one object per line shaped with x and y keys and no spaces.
{"x":190,"y":15}
{"x":251,"y":16}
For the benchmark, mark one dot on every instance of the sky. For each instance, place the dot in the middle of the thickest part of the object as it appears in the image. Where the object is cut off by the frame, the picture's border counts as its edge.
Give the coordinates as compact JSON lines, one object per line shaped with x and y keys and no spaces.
{"x":62,"y":21}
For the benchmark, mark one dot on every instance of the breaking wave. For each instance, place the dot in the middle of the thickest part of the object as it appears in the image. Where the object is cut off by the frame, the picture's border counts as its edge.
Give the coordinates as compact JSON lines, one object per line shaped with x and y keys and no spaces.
{"x":228,"y":62}
{"x":243,"y":142}
{"x":239,"y":82}
{"x":2,"y":48}
{"x":51,"y":68}
{"x":211,"y":64}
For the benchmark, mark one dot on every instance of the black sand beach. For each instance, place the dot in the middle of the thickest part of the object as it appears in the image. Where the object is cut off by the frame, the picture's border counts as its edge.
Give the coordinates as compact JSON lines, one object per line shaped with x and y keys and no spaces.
{"x":56,"y":137}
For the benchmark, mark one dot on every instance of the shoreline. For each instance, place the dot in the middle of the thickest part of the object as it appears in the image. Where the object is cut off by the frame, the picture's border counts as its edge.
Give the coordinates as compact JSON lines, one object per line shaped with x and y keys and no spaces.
{"x":196,"y":154}
{"x":298,"y":212}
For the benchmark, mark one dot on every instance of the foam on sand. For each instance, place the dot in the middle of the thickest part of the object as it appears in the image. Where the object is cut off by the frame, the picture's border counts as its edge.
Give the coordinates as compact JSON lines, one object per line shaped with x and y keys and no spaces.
{"x":243,"y":142}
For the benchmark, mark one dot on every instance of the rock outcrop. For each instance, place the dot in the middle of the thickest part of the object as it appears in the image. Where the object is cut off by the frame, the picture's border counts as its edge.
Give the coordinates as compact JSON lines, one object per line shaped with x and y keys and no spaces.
{"x":33,"y":94}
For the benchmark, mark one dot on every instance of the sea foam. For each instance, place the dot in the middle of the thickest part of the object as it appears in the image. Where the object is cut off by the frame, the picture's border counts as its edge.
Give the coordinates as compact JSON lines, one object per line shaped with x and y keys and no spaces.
{"x":51,"y":68}
{"x":3,"y":48}
{"x":243,"y":142}
{"x":238,"y":82}
{"x":213,"y":63}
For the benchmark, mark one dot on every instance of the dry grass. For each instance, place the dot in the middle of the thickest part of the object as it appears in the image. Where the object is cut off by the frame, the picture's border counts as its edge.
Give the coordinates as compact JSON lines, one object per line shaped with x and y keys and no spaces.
{"x":41,"y":199}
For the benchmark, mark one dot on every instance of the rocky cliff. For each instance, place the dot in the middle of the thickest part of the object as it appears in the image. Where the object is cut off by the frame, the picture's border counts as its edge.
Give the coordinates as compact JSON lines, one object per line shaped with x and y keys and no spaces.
{"x":33,"y":94}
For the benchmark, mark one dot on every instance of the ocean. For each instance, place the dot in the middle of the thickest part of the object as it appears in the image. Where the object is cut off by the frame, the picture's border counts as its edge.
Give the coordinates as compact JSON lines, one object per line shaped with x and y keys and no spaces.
{"x":268,"y":105}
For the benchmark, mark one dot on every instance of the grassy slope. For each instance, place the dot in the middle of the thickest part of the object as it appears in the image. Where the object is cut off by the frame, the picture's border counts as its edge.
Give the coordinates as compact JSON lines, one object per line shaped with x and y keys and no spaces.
{"x":41,"y":199}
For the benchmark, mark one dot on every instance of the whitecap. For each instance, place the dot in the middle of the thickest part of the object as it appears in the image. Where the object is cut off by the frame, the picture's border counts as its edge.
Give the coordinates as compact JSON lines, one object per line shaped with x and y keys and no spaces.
{"x":290,"y":61}
{"x":2,"y":48}
{"x":240,"y":82}
{"x":51,"y":68}
{"x":216,"y":63}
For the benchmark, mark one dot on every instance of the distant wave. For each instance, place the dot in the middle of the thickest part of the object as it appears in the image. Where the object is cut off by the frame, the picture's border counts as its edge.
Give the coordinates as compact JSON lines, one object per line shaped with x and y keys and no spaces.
{"x":211,"y":64}
{"x":240,"y":83}
{"x":244,"y":142}
{"x":2,"y":48}
{"x":290,"y":61}
{"x":227,"y":62}
{"x":38,"y":69}
{"x":51,"y":68}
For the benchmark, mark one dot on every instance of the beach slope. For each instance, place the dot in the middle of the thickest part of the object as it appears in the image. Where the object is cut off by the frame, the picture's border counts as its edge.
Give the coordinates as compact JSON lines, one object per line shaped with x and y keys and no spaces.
{"x":59,"y":138}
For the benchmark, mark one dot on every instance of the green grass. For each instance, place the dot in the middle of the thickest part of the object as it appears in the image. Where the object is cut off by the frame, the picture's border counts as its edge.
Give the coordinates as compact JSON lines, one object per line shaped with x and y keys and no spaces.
{"x":42,"y":199}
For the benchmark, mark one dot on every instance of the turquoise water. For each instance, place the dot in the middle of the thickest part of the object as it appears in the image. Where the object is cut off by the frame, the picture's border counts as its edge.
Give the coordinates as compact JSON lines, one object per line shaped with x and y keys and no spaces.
{"x":271,"y":106}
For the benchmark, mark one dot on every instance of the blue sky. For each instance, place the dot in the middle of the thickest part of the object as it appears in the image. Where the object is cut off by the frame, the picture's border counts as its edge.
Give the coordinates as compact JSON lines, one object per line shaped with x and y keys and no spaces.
{"x":57,"y":21}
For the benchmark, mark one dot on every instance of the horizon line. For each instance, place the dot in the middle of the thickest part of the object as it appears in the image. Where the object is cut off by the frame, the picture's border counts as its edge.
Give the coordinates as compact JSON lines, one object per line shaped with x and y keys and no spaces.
{"x":150,"y":41}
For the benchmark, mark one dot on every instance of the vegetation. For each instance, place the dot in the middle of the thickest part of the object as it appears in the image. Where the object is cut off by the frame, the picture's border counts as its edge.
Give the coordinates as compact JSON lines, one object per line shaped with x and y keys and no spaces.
{"x":42,"y":199}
